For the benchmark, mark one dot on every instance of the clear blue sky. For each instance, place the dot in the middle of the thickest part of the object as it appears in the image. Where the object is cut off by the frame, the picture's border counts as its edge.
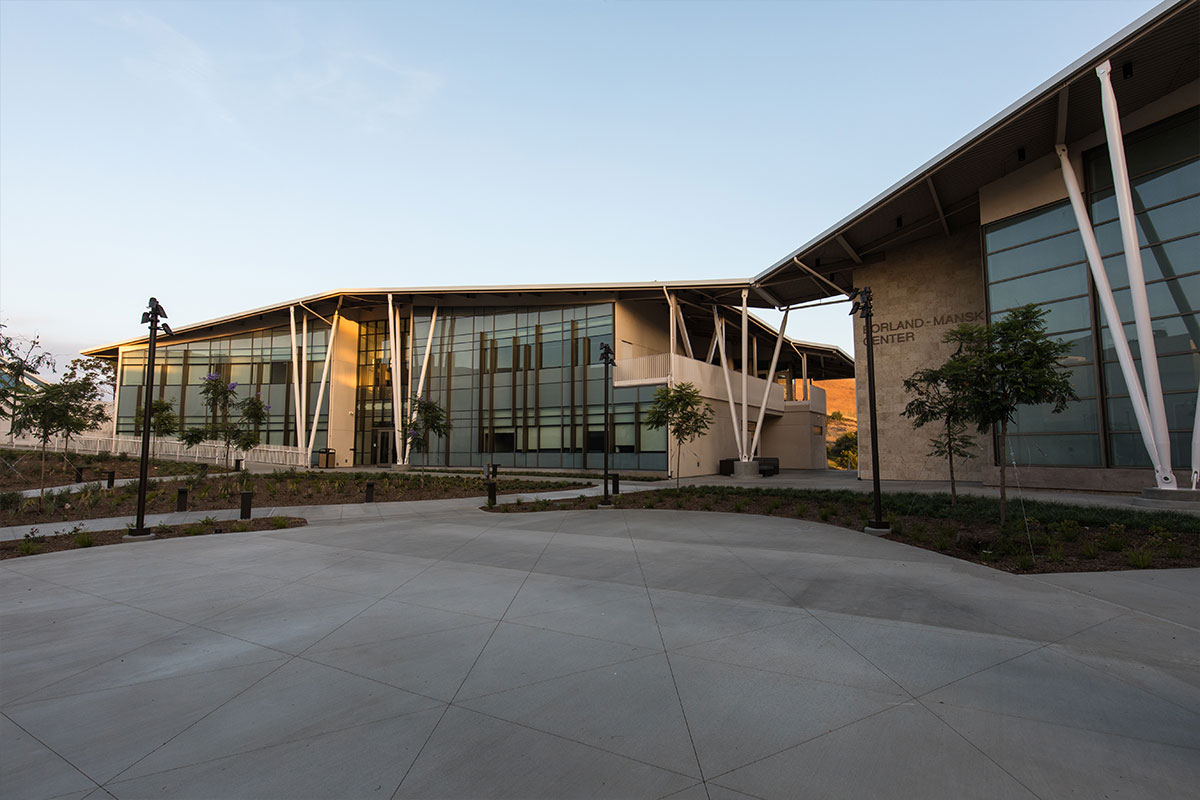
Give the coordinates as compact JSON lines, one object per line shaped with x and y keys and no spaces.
{"x":226,"y":155}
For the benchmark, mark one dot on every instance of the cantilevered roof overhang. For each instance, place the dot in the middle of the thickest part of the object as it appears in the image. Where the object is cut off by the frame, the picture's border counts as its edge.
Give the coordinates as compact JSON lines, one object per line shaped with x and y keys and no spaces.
{"x":696,"y":301}
{"x":707,"y":293}
{"x":1163,"y":51}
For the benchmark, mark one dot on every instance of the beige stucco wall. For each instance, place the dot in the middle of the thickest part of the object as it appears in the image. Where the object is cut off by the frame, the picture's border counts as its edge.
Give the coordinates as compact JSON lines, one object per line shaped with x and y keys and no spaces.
{"x":343,"y":381}
{"x":920,"y":292}
{"x":797,"y":438}
{"x":641,"y":328}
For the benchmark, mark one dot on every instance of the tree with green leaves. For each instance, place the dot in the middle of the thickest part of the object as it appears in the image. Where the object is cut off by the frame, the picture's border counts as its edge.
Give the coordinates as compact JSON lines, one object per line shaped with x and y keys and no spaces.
{"x":427,"y":417}
{"x":86,"y":406}
{"x":938,"y":400}
{"x":683,"y":412}
{"x":45,"y":413}
{"x":19,"y":359}
{"x":1004,"y":366}
{"x":843,"y":453}
{"x":163,"y":419}
{"x":95,"y":371}
{"x":220,"y":400}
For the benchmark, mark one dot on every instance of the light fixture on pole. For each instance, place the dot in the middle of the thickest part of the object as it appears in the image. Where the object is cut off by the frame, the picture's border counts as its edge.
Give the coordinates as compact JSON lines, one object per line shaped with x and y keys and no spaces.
{"x":863,"y":306}
{"x":606,"y":356}
{"x":151,"y":318}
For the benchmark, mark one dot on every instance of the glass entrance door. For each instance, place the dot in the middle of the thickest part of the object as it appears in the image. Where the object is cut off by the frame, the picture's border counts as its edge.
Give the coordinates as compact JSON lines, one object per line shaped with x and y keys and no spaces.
{"x":382,"y":446}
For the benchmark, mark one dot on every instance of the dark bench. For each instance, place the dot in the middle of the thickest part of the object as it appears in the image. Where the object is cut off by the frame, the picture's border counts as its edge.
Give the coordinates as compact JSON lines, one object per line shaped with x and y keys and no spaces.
{"x":768,"y":466}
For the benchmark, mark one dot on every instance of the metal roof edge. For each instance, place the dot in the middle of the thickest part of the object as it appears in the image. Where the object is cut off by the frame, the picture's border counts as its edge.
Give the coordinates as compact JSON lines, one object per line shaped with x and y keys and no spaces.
{"x":1158,"y":14}
{"x":499,"y":289}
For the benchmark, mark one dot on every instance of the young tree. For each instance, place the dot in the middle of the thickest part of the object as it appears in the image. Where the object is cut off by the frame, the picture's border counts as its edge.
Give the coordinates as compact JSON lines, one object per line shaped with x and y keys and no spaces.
{"x":18,"y":359}
{"x":85,"y":405}
{"x":44,"y":413}
{"x":221,"y":399}
{"x":683,"y":412}
{"x":938,"y":400}
{"x":1004,"y":366}
{"x":427,"y":417}
{"x":163,"y":419}
{"x":100,"y":373}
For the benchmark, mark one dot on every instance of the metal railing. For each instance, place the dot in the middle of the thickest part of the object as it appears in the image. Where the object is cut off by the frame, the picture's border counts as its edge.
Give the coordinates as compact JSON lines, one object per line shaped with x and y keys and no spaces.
{"x":170,"y":449}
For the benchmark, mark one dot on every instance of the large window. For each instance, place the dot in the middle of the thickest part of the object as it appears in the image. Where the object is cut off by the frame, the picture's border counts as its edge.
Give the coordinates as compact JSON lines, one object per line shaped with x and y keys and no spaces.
{"x":1164,"y":172}
{"x":1038,"y":258}
{"x":259,"y":362}
{"x":374,"y":426}
{"x":524,"y":388}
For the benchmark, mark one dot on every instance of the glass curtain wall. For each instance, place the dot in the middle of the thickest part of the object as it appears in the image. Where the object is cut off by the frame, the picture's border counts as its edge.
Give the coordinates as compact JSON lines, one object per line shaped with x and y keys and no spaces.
{"x":260,"y":363}
{"x":1038,"y":257}
{"x":374,"y":422}
{"x":524,"y":388}
{"x":1164,"y":171}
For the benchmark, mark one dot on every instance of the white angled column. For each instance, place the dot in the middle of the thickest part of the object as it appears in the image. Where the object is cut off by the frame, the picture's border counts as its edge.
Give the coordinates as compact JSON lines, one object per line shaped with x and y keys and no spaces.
{"x":719,"y":332}
{"x":393,"y":356}
{"x":312,"y":434}
{"x":762,"y":409}
{"x":424,"y":369}
{"x":1137,"y":279}
{"x":1108,"y":304}
{"x":296,"y":408}
{"x":745,"y":372}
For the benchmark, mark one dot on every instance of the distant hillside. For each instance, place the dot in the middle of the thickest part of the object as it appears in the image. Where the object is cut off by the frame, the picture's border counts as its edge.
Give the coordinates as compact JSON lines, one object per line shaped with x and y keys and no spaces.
{"x":839,"y":396}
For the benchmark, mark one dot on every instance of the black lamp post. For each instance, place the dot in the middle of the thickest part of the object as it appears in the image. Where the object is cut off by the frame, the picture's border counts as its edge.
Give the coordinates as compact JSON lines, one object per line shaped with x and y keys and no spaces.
{"x":862,"y":305}
{"x":606,"y":356}
{"x":152,"y":318}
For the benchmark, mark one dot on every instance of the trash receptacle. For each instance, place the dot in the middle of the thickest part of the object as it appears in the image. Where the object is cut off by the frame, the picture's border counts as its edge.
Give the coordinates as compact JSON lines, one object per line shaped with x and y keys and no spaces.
{"x":326,"y":458}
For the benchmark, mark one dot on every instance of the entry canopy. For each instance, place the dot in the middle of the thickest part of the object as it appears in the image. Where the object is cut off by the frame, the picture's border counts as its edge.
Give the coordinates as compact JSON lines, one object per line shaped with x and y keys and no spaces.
{"x":1152,"y":57}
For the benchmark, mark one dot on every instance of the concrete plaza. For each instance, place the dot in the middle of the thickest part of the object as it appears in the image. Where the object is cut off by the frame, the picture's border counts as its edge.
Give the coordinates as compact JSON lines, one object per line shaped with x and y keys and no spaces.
{"x":447,"y":652}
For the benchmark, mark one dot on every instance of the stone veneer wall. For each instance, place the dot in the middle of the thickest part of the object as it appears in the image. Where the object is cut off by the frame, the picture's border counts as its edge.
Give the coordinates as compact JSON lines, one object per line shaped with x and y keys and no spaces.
{"x":920,"y":291}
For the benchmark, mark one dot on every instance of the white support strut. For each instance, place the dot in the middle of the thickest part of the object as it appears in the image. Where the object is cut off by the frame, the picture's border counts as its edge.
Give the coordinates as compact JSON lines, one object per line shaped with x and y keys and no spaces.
{"x":1111,"y":315}
{"x":297,"y":411}
{"x":1137,"y":279}
{"x":719,"y":325}
{"x":303,"y":380}
{"x":762,"y":409}
{"x":687,"y":339}
{"x":424,"y":369}
{"x":745,"y":454}
{"x":312,"y":434}
{"x":395,"y":368}
{"x":672,"y":308}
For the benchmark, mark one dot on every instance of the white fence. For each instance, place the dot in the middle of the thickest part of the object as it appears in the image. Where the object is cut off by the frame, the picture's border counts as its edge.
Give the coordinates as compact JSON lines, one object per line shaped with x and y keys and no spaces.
{"x":171,"y":449}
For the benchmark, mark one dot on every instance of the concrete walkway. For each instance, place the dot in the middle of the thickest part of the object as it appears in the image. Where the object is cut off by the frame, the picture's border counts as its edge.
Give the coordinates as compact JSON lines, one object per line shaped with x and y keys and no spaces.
{"x":626,"y":654}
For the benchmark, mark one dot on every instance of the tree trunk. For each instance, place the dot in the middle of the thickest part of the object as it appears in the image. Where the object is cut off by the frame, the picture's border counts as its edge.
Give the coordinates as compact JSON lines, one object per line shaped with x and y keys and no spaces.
{"x":678,"y":462}
{"x":42,"y":483}
{"x":1003,"y":468}
{"x":953,"y":491}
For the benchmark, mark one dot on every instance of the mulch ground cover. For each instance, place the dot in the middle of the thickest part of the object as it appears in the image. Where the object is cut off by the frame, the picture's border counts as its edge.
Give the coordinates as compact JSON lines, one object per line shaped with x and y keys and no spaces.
{"x":1046,"y":537}
{"x":270,"y":490}
{"x":36,"y":542}
{"x":21,"y":469}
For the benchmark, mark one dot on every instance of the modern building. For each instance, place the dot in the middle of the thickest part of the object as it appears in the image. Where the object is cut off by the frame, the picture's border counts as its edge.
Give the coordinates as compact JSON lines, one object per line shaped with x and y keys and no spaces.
{"x":990,"y":224}
{"x":517,"y":370}
{"x":1082,"y":197}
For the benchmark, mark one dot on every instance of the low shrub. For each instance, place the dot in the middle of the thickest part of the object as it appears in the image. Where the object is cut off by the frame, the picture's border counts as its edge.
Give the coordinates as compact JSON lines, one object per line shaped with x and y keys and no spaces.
{"x":1138,"y":558}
